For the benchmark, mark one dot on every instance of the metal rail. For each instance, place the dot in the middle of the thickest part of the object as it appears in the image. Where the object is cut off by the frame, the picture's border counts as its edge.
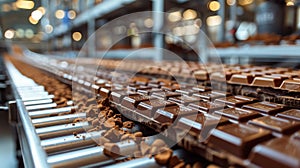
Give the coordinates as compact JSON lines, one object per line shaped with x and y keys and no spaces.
{"x":30,"y":143}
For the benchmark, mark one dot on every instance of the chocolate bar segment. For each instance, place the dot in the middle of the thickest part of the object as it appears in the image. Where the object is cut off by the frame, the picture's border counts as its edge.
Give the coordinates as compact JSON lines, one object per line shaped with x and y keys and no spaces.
{"x":132,"y":101}
{"x":291,"y":85}
{"x":210,"y":95}
{"x":195,"y":123}
{"x":206,"y":106}
{"x":165,"y":95}
{"x":292,"y":114}
{"x":275,"y":124}
{"x":170,"y":113}
{"x":238,"y":114}
{"x":148,"y":107}
{"x":184,"y":99}
{"x":266,"y":82}
{"x":238,"y":139}
{"x":264,"y":107}
{"x":117,"y":96}
{"x":241,"y":79}
{"x":278,"y":153}
{"x":236,"y":101}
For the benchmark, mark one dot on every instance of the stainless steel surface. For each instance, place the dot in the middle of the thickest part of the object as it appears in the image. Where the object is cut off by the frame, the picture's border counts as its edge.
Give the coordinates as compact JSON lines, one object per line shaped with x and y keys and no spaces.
{"x":34,"y":102}
{"x":30,"y":143}
{"x":32,"y":88}
{"x":145,"y":162}
{"x":56,"y":120}
{"x":37,"y":98}
{"x":40,"y":106}
{"x":49,"y":112}
{"x":78,"y":158}
{"x":70,"y":142}
{"x":60,"y":130}
{"x":89,"y":155}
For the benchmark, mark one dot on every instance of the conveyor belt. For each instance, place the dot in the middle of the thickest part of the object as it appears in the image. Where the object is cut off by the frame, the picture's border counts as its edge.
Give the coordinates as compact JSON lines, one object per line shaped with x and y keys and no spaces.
{"x":47,"y":138}
{"x":229,"y":145}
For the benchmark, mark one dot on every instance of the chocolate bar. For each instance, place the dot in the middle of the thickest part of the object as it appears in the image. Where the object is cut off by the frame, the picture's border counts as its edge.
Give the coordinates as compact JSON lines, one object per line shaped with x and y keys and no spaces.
{"x":238,"y":139}
{"x":279,"y":152}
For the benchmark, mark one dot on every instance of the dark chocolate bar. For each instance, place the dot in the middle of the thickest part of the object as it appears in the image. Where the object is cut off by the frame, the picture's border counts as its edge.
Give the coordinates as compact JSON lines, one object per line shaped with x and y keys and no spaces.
{"x":238,"y":139}
{"x":277,"y":153}
{"x":275,"y":124}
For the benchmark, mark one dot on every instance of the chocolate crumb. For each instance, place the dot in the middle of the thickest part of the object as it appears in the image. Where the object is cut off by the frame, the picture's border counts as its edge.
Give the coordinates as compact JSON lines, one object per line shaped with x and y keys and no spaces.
{"x":163,"y":157}
{"x":111,"y":149}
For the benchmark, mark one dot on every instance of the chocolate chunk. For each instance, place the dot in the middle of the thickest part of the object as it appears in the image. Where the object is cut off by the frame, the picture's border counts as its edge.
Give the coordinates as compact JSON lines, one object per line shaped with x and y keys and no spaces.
{"x":169,"y":114}
{"x":111,"y":149}
{"x":265,"y":107}
{"x":275,"y":124}
{"x":277,"y":153}
{"x":109,"y":123}
{"x":132,"y":101}
{"x":148,"y":107}
{"x":128,"y":124}
{"x":206,"y":106}
{"x":197,"y":165}
{"x":163,"y":157}
{"x":174,"y":161}
{"x":238,"y":114}
{"x":236,"y":101}
{"x":238,"y":139}
{"x":292,"y":114}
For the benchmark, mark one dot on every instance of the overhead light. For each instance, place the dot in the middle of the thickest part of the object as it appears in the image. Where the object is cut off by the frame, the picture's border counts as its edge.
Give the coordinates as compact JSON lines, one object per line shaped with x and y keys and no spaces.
{"x":6,"y":7}
{"x":9,"y":34}
{"x":36,"y":15}
{"x":29,"y":33}
{"x":20,"y":33}
{"x":230,"y":2}
{"x":60,"y":14}
{"x":290,"y":3}
{"x":71,"y":14}
{"x":214,"y":20}
{"x":48,"y":29}
{"x":174,"y":16}
{"x":23,"y":4}
{"x":245,"y":2}
{"x":189,"y":14}
{"x":214,"y":5}
{"x":32,"y":20}
{"x":42,"y":9}
{"x":76,"y":36}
